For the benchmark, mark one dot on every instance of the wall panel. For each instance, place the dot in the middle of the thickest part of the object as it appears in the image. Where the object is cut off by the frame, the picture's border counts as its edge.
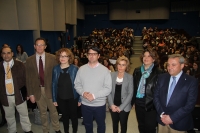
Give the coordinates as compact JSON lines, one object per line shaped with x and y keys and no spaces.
{"x":59,"y":15}
{"x":80,"y":10}
{"x":159,"y":10}
{"x":8,"y":15}
{"x":96,"y":9}
{"x":117,"y":11}
{"x":68,"y":11}
{"x":133,"y":7}
{"x":185,"y":6}
{"x":74,"y":12}
{"x":28,"y":17}
{"x":139,"y":10}
{"x":46,"y":15}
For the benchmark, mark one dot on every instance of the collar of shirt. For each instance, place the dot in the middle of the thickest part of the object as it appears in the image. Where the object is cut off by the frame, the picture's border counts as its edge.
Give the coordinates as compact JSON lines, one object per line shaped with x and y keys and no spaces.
{"x":43,"y":60}
{"x":38,"y":56}
{"x":177,"y":77}
{"x":11,"y":63}
{"x":94,"y":66}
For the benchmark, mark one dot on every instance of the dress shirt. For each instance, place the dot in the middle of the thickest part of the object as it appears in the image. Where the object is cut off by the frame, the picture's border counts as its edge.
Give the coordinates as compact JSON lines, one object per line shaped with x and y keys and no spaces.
{"x":43,"y":60}
{"x":11,"y":63}
{"x":171,"y":79}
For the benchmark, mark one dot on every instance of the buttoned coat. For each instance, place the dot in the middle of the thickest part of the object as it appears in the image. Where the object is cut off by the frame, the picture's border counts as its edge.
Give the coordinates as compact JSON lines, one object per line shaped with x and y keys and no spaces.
{"x":180,"y":104}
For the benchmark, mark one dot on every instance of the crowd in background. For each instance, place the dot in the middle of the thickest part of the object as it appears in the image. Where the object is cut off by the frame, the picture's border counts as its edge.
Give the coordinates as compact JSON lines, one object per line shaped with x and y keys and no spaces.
{"x":171,"y":41}
{"x":115,"y":43}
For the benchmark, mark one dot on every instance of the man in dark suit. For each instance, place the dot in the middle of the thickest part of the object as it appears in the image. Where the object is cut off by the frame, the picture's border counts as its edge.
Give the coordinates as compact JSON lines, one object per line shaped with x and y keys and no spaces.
{"x":12,"y":79}
{"x":175,"y":97}
{"x":38,"y":82}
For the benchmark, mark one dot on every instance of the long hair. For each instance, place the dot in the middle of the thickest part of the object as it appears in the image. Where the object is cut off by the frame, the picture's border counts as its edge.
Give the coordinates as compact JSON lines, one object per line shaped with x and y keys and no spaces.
{"x":22,"y":49}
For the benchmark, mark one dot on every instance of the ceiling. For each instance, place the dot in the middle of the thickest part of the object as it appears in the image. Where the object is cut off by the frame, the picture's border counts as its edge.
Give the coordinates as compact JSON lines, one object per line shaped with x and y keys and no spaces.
{"x":108,"y":1}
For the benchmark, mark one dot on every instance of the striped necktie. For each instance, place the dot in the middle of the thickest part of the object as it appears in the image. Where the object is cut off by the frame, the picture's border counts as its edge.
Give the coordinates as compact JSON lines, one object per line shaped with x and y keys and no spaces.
{"x":9,"y":86}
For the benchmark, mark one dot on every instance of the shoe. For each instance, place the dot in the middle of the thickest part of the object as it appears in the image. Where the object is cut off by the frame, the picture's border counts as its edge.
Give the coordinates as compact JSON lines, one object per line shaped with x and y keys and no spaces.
{"x":3,"y":122}
{"x":29,"y":132}
{"x":58,"y":131}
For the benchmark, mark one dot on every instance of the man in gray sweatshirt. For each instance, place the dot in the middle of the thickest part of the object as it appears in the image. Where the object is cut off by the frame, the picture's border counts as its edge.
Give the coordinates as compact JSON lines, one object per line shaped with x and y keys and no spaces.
{"x":93,"y":82}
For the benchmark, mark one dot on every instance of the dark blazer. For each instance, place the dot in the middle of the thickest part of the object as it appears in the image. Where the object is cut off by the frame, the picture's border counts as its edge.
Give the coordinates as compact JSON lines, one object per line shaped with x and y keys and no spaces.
{"x":72,"y":70}
{"x":33,"y":78}
{"x":19,"y":81}
{"x":151,"y":82}
{"x":181,"y":103}
{"x":126,"y":92}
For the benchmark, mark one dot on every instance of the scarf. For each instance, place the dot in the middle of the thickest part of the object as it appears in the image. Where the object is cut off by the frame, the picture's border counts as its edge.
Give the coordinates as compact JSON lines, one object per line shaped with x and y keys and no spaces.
{"x":145,"y":75}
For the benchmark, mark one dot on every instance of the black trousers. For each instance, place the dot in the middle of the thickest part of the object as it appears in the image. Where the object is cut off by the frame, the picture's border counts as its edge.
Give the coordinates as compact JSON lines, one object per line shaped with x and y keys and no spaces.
{"x":121,"y":117}
{"x":68,"y":109}
{"x":147,"y":122}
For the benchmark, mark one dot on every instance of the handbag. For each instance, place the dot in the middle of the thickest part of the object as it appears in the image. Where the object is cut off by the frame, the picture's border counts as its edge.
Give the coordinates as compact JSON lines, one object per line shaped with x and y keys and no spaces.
{"x":37,"y":118}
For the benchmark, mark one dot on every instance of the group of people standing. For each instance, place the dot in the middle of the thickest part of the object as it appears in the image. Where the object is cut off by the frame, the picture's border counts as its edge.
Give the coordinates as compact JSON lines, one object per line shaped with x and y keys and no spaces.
{"x":167,"y":99}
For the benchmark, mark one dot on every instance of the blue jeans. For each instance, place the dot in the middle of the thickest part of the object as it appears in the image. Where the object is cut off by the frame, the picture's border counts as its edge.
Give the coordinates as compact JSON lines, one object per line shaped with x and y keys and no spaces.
{"x":98,"y":113}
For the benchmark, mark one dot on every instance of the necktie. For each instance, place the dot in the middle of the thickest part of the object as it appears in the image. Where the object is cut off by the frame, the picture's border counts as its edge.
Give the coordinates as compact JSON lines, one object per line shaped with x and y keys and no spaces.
{"x":41,"y":72}
{"x":9,"y":86}
{"x":171,"y":89}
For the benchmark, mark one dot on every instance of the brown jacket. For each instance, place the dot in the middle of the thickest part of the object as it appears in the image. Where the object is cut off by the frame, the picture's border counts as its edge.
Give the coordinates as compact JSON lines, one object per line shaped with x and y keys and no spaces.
{"x":19,"y":81}
{"x":32,"y":76}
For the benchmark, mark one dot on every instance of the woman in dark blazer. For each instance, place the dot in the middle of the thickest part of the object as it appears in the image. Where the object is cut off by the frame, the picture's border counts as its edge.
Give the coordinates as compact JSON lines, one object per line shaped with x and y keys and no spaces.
{"x":145,"y":78}
{"x":63,"y":92}
{"x":120,"y":97}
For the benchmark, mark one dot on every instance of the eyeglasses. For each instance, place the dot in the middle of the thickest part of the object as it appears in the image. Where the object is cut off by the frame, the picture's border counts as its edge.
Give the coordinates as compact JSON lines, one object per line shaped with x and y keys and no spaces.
{"x":40,"y":45}
{"x":92,"y":54}
{"x":65,"y":56}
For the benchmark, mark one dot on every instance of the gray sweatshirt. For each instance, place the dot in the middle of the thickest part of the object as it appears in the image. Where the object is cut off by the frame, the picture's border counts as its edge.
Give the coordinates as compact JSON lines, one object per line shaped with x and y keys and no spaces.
{"x":94,"y":80}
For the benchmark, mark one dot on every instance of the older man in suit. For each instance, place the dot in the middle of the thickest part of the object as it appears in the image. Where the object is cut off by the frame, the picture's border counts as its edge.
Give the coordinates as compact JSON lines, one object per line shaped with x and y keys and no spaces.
{"x":12,"y":79}
{"x":39,"y":75}
{"x":175,"y":97}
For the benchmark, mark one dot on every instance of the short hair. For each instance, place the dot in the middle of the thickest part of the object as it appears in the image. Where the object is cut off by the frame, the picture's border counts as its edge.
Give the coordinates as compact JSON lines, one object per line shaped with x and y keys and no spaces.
{"x":68,"y":52}
{"x":6,"y":47}
{"x":123,"y":58}
{"x":5,"y":44}
{"x":196,"y":62}
{"x":76,"y":57}
{"x":107,"y":61}
{"x":22,"y":50}
{"x":40,"y":38}
{"x":94,"y":48}
{"x":181,"y":58}
{"x":152,"y":53}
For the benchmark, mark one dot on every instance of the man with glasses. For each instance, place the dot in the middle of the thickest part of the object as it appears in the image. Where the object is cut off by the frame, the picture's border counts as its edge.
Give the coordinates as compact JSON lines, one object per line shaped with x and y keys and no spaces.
{"x":93,"y":82}
{"x":38,"y":82}
{"x":12,"y":79}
